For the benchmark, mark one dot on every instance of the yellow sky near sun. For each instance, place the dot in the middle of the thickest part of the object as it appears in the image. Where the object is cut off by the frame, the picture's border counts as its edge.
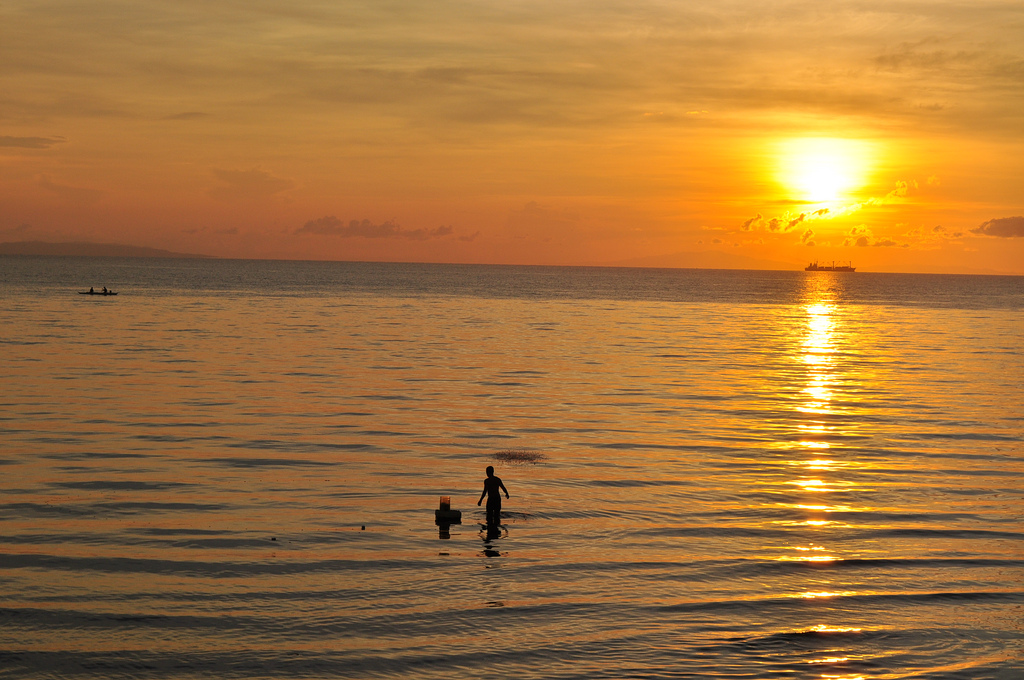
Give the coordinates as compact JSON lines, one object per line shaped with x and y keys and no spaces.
{"x":738,"y":134}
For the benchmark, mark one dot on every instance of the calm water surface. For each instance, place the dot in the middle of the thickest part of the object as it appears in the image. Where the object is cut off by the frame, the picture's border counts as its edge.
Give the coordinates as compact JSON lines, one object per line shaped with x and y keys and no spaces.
{"x":737,"y":474}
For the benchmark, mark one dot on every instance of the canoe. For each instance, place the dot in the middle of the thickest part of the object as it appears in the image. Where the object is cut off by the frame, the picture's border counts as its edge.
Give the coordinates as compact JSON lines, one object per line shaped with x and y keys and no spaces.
{"x":86,"y":292}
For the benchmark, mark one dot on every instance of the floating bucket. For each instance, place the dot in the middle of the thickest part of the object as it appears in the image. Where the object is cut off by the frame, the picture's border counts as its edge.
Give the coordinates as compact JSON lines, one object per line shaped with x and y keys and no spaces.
{"x":445,"y":514}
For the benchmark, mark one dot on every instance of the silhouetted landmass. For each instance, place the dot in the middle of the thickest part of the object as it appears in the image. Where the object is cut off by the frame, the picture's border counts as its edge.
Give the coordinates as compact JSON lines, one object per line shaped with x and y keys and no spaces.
{"x":82,"y":249}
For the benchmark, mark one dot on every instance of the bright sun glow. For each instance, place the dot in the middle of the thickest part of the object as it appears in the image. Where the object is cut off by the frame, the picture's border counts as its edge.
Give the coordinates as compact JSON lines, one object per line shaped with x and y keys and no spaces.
{"x":820,"y":170}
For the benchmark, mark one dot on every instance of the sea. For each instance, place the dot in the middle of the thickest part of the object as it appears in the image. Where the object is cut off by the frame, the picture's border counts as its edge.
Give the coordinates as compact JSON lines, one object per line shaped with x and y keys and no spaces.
{"x":231,"y":469}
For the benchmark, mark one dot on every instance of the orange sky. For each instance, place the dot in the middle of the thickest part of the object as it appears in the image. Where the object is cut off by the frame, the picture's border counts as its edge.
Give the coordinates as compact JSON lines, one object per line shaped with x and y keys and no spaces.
{"x":750,"y":134}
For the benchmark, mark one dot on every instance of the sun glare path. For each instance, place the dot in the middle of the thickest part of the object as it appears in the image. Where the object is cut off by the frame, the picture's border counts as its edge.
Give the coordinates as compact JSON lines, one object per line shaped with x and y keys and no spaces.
{"x":817,"y":595}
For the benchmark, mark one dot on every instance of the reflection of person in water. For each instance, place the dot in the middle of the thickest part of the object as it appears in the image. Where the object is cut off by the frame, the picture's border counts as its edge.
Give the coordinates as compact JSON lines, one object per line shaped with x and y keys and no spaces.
{"x":491,"y":486}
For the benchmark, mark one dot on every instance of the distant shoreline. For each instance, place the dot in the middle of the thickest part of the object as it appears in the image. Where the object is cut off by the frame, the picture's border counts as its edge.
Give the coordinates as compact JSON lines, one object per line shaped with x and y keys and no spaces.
{"x":85,"y":249}
{"x":705,"y":260}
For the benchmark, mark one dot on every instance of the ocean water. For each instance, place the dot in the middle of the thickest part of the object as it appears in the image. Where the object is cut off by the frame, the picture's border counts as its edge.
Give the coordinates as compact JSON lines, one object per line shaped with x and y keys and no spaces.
{"x":230,"y":469}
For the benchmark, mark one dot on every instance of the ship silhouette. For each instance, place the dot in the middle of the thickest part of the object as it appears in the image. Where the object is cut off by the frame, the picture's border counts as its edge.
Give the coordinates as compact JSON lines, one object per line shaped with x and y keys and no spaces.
{"x":815,"y":267}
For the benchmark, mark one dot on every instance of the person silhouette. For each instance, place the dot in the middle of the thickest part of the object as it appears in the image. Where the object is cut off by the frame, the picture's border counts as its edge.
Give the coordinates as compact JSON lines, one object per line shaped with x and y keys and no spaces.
{"x":491,"y":486}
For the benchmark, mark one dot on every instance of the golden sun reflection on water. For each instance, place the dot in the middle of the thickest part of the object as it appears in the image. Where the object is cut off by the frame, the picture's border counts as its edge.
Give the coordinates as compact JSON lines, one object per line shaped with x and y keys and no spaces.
{"x":817,"y":355}
{"x":822,"y":628}
{"x":824,"y":593}
{"x":822,"y":464}
{"x":820,"y":342}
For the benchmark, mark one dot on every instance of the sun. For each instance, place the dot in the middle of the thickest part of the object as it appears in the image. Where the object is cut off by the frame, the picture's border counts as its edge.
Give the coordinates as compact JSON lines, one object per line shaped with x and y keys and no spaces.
{"x":822,"y":170}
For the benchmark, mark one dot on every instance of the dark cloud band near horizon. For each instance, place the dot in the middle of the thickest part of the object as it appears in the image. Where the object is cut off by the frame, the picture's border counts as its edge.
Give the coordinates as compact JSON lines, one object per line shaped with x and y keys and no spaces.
{"x":1002,"y":227}
{"x":332,"y":226}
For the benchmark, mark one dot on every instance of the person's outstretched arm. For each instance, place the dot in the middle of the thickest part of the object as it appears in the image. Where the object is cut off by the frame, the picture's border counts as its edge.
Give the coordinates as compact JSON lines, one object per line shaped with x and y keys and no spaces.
{"x":482,"y":494}
{"x":503,"y":489}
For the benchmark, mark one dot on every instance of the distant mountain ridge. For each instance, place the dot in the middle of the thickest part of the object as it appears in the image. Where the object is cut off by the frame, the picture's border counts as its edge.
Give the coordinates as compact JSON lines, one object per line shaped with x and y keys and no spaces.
{"x":85,"y":249}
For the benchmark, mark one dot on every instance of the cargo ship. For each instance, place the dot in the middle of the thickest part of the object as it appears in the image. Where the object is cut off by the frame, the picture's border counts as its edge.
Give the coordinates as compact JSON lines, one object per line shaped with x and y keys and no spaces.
{"x":815,"y":267}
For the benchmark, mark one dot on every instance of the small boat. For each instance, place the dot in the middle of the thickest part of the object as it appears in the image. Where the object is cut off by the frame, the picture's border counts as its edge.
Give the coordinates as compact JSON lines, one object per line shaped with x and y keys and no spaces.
{"x":95,"y":292}
{"x":815,"y":267}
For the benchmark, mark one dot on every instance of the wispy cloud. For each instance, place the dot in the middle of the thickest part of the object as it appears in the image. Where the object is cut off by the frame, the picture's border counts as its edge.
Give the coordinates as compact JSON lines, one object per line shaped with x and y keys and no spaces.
{"x":248,"y":184}
{"x":789,"y":221}
{"x":534,"y":217}
{"x":862,"y":237}
{"x":536,"y":64}
{"x":925,"y":238}
{"x":901,"y":191}
{"x":22,"y":228}
{"x":784,"y":222}
{"x":30,"y":142}
{"x":332,"y":226}
{"x":187,"y":115}
{"x":71,"y":194}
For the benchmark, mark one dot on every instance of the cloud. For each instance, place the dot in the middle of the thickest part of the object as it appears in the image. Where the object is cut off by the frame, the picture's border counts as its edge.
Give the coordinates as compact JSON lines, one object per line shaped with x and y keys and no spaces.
{"x":910,"y":56}
{"x":187,"y":115}
{"x":924,"y":238}
{"x":1003,"y":227}
{"x":30,"y":142}
{"x":784,"y":222}
{"x":862,"y":237}
{"x":901,"y":191}
{"x":472,"y":237}
{"x":787,"y":222}
{"x":332,"y":226}
{"x":20,"y":229}
{"x":534,"y":219}
{"x":70,"y":193}
{"x":248,"y":184}
{"x":806,"y":237}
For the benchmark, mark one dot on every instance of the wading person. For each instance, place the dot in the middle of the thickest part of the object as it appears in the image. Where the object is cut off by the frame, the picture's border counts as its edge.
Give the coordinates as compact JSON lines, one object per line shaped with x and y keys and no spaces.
{"x":491,"y":486}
